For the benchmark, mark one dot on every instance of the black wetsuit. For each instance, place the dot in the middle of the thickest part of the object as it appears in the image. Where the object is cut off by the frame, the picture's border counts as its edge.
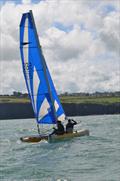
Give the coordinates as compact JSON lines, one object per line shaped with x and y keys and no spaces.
{"x":70,"y":125}
{"x":59,"y":130}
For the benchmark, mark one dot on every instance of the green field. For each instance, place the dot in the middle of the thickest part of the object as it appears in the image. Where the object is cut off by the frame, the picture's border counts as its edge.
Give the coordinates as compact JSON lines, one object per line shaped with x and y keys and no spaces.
{"x":12,"y":99}
{"x":89,"y":100}
{"x":67,"y":99}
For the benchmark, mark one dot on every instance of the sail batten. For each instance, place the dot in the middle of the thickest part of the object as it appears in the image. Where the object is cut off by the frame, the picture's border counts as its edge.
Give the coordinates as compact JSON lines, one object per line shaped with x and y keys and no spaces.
{"x":44,"y":99}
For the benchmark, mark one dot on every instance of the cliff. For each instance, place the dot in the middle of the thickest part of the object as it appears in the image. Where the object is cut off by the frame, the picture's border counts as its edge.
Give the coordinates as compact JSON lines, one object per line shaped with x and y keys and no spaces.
{"x":24,"y":110}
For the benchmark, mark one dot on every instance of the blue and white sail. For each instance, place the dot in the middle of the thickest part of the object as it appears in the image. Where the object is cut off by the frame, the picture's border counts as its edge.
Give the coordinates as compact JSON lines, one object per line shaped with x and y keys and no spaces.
{"x":46,"y":104}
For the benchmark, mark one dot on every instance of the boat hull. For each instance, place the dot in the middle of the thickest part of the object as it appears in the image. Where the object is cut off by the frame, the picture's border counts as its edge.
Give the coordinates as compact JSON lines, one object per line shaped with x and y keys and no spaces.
{"x":54,"y":138}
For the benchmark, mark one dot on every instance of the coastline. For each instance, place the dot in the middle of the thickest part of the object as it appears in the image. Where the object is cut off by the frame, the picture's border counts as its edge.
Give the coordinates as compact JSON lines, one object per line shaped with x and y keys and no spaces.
{"x":24,"y":110}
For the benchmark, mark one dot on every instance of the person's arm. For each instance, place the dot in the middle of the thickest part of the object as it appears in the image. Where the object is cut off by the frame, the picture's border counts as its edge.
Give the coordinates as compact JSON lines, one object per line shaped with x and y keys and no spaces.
{"x":74,"y":122}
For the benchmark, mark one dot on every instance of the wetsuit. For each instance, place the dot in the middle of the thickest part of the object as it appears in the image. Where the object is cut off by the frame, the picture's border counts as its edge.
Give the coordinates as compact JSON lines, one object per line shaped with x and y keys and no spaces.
{"x":70,"y":126}
{"x":59,"y":130}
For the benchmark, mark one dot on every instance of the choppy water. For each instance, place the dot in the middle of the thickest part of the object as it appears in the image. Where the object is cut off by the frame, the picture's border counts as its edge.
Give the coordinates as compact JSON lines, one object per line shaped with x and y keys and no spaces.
{"x":93,"y":158}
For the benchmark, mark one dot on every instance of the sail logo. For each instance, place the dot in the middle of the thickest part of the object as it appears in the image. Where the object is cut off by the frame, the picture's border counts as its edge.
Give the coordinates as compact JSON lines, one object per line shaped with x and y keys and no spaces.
{"x":28,"y":70}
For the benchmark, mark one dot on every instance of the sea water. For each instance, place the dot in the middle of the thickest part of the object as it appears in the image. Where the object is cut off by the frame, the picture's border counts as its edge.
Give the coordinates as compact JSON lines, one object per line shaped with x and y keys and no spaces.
{"x":89,"y":158}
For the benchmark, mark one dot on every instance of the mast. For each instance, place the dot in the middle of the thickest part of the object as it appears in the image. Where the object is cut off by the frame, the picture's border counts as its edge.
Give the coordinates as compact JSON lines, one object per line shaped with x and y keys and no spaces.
{"x":44,"y":64}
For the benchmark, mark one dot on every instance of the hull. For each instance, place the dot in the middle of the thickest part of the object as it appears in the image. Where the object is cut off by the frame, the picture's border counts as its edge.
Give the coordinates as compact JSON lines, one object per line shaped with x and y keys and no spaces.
{"x":54,"y":138}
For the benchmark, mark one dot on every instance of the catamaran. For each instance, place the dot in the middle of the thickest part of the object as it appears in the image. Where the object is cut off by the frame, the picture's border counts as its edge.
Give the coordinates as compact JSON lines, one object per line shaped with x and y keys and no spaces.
{"x":44,"y":99}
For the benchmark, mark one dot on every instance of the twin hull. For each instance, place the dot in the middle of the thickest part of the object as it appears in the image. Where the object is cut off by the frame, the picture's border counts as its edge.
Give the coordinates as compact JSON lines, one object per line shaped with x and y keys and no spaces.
{"x":53,"y":138}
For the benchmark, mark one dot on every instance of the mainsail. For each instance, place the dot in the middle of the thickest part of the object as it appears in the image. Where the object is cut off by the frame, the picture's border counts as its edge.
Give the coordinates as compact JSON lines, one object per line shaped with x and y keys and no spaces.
{"x":45,"y":102}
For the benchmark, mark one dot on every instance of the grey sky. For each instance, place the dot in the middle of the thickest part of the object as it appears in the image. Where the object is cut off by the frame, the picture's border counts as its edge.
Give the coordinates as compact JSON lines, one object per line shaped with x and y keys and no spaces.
{"x":80,"y":41}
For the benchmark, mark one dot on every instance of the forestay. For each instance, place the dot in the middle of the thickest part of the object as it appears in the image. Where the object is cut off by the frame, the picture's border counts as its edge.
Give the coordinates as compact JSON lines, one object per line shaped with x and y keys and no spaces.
{"x":46,"y":104}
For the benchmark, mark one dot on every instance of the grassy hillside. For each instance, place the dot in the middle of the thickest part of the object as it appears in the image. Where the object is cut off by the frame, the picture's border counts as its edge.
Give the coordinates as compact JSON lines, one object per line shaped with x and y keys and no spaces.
{"x":90,"y":100}
{"x":12,"y":99}
{"x":66,"y":99}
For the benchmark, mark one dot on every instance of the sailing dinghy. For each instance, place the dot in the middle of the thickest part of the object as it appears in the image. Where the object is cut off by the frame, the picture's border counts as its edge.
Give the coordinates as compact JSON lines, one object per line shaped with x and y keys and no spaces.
{"x":45,"y":102}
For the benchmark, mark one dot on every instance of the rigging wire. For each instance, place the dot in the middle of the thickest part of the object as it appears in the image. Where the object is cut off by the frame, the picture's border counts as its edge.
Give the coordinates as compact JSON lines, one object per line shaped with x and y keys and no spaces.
{"x":38,"y":129}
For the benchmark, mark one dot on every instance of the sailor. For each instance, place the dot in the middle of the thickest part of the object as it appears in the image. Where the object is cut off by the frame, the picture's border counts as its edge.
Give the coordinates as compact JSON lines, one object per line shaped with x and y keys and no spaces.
{"x":59,"y":130}
{"x":70,"y":125}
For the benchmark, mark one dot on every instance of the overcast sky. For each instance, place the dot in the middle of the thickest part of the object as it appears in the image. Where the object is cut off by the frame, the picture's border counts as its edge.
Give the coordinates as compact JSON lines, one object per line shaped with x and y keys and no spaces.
{"x":80,"y":41}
